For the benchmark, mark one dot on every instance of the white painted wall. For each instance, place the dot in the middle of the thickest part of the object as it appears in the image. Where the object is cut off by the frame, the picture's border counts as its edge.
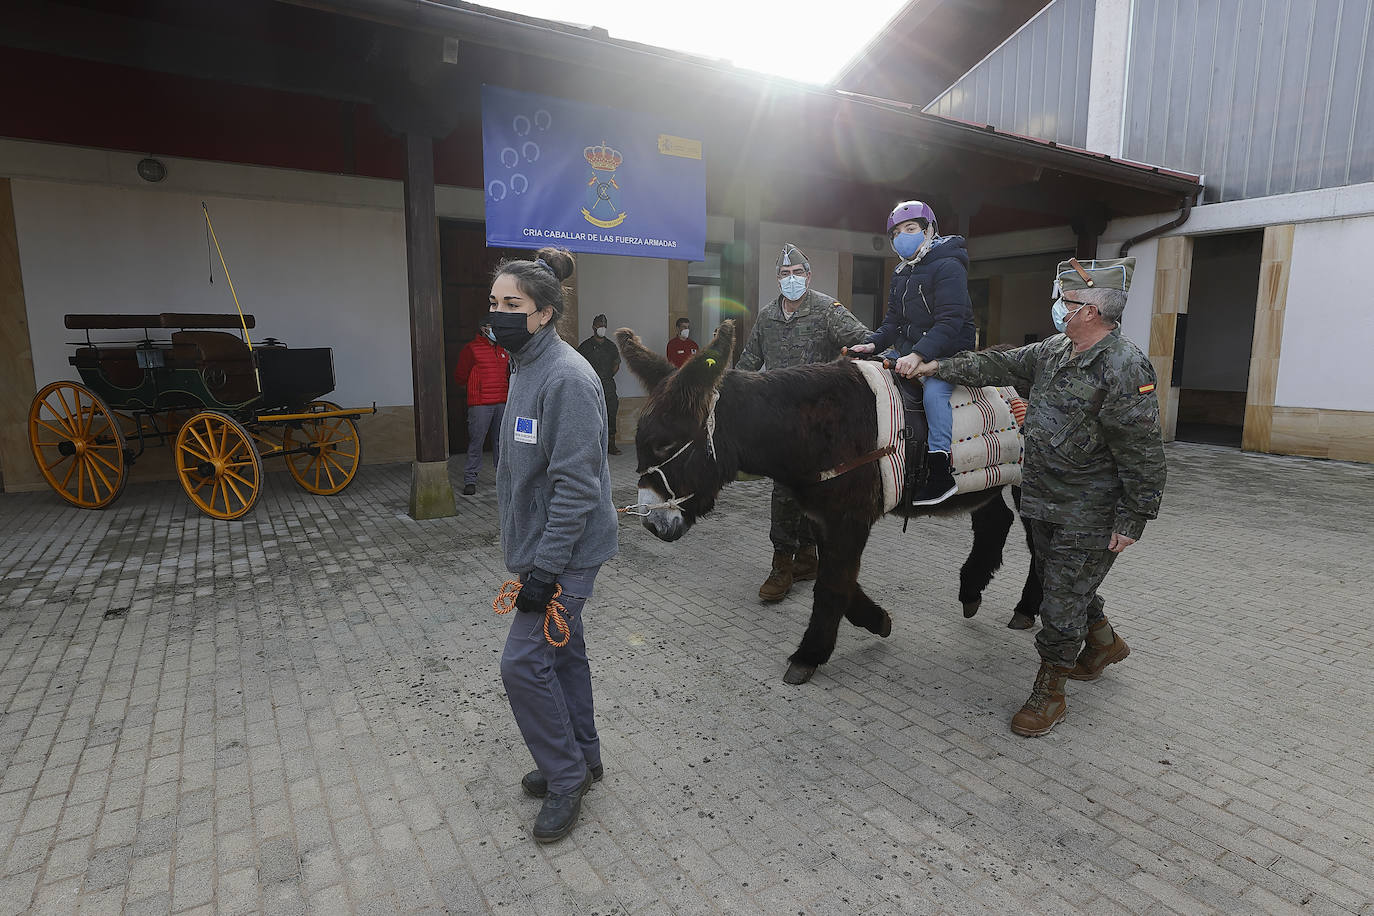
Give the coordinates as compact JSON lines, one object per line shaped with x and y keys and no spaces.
{"x":1135,"y":322}
{"x":1328,"y":329}
{"x":1107,"y":78}
{"x":312,"y":274}
{"x":633,"y":293}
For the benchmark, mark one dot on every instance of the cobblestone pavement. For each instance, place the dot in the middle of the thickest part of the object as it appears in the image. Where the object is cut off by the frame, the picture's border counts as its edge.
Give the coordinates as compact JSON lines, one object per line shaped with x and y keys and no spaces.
{"x":302,"y":712}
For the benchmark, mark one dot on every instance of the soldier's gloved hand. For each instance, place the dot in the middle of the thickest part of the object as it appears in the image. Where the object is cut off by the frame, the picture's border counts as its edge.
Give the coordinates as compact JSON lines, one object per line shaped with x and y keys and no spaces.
{"x":536,"y":592}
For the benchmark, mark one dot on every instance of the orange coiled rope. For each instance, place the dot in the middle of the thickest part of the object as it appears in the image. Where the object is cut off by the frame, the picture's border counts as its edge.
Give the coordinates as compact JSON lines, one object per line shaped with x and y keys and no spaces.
{"x":505,"y":603}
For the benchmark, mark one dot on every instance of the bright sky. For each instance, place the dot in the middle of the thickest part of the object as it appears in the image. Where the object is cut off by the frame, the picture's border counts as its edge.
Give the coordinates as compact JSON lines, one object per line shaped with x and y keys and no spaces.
{"x":803,"y":40}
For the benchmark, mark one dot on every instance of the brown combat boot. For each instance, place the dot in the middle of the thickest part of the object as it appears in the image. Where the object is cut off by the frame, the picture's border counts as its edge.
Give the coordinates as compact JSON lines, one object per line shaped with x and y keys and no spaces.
{"x":1102,"y":648}
{"x":805,"y":564}
{"x":1046,"y":704}
{"x":779,"y":581}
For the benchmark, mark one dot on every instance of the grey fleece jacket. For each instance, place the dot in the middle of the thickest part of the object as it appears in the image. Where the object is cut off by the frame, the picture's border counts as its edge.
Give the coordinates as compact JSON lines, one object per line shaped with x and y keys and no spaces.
{"x":553,"y":485}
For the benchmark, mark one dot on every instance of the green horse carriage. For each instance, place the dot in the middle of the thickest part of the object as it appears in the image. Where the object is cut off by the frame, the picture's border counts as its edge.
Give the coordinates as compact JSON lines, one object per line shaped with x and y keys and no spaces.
{"x":223,"y":404}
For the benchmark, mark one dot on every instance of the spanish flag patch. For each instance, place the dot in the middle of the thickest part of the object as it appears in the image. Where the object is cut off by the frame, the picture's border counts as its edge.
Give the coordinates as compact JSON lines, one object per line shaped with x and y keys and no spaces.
{"x":1146,"y":389}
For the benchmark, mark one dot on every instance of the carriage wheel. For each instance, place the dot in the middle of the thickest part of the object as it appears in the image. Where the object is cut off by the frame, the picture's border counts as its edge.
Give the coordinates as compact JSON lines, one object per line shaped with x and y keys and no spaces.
{"x":218,"y":466}
{"x":335,"y":452}
{"x":78,"y":445}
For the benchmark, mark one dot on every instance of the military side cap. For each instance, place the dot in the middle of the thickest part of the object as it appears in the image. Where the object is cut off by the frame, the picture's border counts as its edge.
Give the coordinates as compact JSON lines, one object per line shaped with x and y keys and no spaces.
{"x":792,"y":256}
{"x":1111,"y":274}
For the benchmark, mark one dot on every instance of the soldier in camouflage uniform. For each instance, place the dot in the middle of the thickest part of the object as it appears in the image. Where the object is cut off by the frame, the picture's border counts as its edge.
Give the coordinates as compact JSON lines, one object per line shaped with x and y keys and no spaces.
{"x":800,"y":326}
{"x":1094,"y":469}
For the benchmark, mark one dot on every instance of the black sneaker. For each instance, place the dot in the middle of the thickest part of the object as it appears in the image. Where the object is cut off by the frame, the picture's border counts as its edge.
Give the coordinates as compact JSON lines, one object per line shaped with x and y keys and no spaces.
{"x":560,"y":812}
{"x":469,"y":489}
{"x":940,"y":484}
{"x":536,"y":786}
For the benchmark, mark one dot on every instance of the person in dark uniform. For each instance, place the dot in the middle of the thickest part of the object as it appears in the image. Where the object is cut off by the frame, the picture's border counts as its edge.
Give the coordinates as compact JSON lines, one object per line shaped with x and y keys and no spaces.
{"x":605,"y":359}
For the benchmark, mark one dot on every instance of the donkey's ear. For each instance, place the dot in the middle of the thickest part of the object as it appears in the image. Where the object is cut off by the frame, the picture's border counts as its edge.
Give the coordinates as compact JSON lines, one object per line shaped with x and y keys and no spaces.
{"x":724,"y":341}
{"x":691,"y":388}
{"x":649,"y":367}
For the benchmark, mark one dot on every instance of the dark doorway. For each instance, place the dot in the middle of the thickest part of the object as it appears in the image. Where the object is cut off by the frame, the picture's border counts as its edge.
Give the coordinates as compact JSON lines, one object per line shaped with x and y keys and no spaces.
{"x":465,"y":268}
{"x":1213,"y":370}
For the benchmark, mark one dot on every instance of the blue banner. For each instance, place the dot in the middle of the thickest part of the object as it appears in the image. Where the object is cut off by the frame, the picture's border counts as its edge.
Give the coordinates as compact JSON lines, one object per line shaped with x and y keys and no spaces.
{"x":591,"y":179}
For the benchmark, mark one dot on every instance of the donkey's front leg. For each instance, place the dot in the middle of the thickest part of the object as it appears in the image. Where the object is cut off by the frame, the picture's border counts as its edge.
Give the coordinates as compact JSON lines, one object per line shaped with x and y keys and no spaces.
{"x":836,"y":581}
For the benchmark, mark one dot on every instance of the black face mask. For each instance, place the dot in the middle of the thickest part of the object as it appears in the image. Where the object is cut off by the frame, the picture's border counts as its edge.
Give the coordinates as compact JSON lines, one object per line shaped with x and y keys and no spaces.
{"x":511,"y":329}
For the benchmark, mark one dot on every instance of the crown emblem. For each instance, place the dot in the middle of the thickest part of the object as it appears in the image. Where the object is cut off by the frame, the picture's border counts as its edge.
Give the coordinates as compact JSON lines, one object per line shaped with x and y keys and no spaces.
{"x":602,"y":158}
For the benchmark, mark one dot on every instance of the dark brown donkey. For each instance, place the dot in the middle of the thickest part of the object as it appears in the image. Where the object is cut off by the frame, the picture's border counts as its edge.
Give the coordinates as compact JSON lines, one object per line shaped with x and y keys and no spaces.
{"x":704,"y":423}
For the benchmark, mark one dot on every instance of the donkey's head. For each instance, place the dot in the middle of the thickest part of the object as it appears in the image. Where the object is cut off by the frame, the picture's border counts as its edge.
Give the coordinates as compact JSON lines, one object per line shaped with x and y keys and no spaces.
{"x":679,"y":476}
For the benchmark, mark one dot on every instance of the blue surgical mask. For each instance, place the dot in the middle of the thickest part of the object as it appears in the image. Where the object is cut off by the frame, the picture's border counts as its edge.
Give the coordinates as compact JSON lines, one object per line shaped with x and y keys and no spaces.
{"x":907,"y":244}
{"x":1061,"y":314}
{"x":793,"y":286}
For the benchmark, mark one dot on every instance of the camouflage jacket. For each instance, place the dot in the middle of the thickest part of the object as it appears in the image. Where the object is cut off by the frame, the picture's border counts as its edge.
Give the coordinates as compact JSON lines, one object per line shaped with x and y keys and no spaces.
{"x":1094,"y":457}
{"x":820,"y":327}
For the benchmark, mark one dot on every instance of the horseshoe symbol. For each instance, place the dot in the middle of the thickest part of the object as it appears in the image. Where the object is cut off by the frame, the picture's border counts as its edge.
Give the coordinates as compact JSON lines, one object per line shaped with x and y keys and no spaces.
{"x":531,"y":151}
{"x":519,"y":184}
{"x":492,"y":190}
{"x":517,"y":121}
{"x":543,"y":120}
{"x":514,"y":158}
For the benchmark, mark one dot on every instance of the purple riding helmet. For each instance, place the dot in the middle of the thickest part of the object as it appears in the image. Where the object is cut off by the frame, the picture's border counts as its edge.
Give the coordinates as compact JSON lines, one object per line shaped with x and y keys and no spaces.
{"x":908,"y":209}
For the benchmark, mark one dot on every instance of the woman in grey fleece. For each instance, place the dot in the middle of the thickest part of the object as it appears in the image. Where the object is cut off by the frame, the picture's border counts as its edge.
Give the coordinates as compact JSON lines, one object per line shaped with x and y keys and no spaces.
{"x":558,"y":526}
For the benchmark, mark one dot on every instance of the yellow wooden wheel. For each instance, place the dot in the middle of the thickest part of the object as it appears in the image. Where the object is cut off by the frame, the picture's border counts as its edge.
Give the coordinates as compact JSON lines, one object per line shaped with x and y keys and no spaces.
{"x":218,"y":466}
{"x":78,"y":444}
{"x":333,"y":451}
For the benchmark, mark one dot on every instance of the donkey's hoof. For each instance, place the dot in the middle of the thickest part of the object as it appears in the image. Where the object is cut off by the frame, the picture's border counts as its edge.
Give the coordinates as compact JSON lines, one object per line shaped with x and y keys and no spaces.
{"x":885,"y":628}
{"x":798,"y":673}
{"x":971,"y":607}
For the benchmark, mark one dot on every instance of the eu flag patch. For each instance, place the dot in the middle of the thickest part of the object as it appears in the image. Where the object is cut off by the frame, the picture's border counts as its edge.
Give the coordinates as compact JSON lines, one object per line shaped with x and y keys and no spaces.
{"x":526,"y":429}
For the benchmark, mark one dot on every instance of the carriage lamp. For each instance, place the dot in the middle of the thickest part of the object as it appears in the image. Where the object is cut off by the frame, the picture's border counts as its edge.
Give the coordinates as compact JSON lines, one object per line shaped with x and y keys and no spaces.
{"x":150,"y":169}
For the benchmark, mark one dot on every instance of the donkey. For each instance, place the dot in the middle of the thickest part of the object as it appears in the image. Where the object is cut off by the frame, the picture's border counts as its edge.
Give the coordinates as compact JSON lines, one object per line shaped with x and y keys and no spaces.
{"x":704,"y":423}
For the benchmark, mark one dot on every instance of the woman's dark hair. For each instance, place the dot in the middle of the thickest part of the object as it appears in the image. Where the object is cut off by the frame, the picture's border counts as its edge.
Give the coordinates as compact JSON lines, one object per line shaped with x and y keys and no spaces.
{"x":541,"y":282}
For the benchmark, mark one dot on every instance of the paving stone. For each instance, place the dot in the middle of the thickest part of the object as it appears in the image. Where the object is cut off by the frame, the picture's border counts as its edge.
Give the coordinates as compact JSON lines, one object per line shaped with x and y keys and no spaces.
{"x":301,"y":711}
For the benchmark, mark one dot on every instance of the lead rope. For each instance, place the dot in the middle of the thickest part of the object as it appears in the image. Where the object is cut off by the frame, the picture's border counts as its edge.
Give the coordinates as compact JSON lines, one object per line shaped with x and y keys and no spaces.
{"x":505,"y":603}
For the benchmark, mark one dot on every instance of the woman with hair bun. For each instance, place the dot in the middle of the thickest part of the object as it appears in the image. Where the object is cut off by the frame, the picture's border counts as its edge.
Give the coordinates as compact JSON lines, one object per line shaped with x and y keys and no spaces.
{"x":558,"y":526}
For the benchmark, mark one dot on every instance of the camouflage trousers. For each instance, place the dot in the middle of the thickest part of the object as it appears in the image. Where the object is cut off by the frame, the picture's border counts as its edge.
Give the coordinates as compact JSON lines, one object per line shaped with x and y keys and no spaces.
{"x":1072,"y":562}
{"x":791,"y":529}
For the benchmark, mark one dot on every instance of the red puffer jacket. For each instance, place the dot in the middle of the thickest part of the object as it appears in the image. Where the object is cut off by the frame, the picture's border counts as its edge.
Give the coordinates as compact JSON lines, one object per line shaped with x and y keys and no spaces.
{"x":484,"y":369}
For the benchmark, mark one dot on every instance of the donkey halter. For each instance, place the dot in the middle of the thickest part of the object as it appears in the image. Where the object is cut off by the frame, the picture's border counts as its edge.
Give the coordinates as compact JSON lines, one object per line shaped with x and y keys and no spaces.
{"x":674,"y":501}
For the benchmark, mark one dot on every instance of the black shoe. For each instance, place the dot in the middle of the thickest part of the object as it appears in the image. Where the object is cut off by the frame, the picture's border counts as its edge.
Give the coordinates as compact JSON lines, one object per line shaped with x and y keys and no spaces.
{"x":559,"y":815}
{"x":469,"y":489}
{"x":536,"y":786}
{"x":940,"y":484}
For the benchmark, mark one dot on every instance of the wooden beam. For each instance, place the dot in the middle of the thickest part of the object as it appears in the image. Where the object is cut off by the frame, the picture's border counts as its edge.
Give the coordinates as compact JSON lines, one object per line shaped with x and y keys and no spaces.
{"x":431,"y":493}
{"x":1270,"y":304}
{"x":17,"y":469}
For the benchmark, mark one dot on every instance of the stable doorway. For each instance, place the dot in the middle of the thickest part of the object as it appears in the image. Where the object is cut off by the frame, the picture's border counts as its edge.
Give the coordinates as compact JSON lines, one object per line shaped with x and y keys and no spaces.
{"x":1212,"y":343}
{"x":465,"y":267}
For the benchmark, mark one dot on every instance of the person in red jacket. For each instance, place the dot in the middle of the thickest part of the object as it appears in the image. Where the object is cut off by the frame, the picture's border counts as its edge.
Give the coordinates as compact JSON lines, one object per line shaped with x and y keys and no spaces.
{"x":484,"y":370}
{"x":682,"y":347}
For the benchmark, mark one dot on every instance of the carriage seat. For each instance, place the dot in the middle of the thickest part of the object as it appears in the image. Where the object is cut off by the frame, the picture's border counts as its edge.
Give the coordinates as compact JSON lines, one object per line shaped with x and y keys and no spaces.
{"x":224,"y":360}
{"x":119,"y":365}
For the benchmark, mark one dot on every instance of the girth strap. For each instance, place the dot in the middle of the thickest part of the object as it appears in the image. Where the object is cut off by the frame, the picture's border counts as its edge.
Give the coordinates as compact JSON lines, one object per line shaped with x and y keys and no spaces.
{"x":862,"y":460}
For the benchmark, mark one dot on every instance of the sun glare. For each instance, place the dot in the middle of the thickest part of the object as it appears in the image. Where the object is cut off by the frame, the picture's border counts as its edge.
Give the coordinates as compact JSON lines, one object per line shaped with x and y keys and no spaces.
{"x":805,"y":41}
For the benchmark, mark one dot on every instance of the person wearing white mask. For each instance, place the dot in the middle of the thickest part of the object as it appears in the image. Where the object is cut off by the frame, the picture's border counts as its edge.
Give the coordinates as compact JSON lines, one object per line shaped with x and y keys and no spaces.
{"x":799,"y":326}
{"x":605,"y":359}
{"x":682,"y":347}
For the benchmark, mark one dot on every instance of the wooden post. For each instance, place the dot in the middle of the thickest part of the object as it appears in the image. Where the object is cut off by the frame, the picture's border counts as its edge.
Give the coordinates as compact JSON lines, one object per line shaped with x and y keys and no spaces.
{"x":17,"y":470}
{"x":740,"y":263}
{"x":431,"y":493}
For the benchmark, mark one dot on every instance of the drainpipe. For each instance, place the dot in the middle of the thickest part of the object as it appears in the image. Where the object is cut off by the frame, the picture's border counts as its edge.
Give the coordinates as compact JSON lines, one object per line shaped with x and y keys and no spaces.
{"x":1174,"y":223}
